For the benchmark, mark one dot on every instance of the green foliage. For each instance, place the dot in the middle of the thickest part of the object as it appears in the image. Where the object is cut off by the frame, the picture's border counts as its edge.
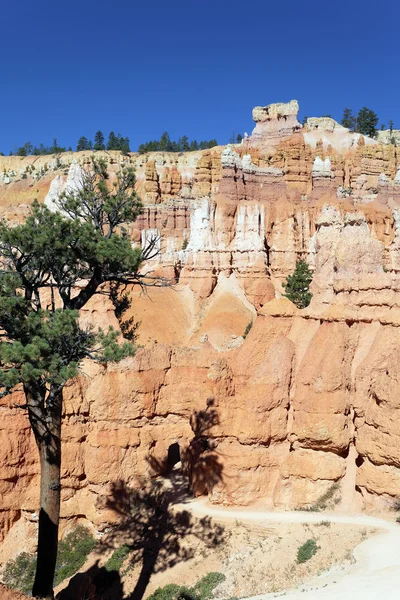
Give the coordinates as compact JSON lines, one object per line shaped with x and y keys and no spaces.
{"x":172,"y":591}
{"x":248,"y":328}
{"x":367,"y":120}
{"x":20,"y":572}
{"x":46,"y":344}
{"x":348,"y":119}
{"x":72,"y":553}
{"x":235,"y":138}
{"x":28,"y":149}
{"x":117,"y":558}
{"x":165,"y":144}
{"x":84,"y":144}
{"x":117,"y":142}
{"x":297,"y":285}
{"x":185,"y":243}
{"x":202,"y":590}
{"x":307,"y":551}
{"x":99,"y":141}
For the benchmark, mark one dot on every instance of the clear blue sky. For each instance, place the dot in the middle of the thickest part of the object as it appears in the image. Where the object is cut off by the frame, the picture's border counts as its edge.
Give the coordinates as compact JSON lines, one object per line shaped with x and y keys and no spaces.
{"x":189,"y":67}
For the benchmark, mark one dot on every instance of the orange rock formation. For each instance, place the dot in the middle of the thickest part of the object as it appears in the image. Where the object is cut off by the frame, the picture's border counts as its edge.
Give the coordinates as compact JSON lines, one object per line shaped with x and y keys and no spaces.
{"x":307,"y":398}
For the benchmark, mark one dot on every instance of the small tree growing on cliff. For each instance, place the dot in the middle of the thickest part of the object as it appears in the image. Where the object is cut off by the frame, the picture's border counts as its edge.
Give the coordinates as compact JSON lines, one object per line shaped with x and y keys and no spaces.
{"x":51,"y":266}
{"x":297,"y":286}
{"x":348,"y":119}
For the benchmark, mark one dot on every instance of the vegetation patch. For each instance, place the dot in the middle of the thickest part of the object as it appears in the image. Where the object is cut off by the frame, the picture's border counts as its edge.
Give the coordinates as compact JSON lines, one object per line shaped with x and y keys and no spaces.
{"x":20,"y":572}
{"x":117,"y":558}
{"x":307,"y":551}
{"x":72,"y":553}
{"x":202,"y":590}
{"x":297,"y":285}
{"x":247,"y":330}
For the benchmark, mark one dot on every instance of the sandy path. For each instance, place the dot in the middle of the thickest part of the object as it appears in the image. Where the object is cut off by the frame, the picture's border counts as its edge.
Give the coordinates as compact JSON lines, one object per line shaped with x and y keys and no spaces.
{"x":375,"y":574}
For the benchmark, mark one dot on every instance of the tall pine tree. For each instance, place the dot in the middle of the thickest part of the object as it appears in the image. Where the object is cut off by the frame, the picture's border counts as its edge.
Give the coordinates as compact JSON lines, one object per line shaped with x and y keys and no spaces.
{"x":99,"y":141}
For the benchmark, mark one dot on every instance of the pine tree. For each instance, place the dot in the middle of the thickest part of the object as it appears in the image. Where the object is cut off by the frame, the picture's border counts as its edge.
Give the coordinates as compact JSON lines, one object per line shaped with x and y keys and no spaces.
{"x":165,"y":142}
{"x":367,"y":120}
{"x":297,"y":286}
{"x":391,"y":126}
{"x":124,"y":145}
{"x":43,"y":342}
{"x":348,"y":119}
{"x":112,"y":143}
{"x":83,"y":144}
{"x":184,"y":144}
{"x":99,"y":141}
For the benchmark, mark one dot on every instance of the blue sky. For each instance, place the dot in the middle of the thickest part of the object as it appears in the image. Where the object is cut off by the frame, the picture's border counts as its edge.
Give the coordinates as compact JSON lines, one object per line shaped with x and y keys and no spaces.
{"x":189,"y":67}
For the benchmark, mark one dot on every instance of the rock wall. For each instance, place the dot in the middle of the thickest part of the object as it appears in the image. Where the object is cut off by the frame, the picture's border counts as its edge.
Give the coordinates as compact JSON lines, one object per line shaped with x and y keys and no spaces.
{"x":306,"y":398}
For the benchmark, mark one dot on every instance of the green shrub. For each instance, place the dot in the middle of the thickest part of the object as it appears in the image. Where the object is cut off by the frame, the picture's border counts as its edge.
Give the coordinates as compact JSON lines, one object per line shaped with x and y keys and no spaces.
{"x":185,"y":243}
{"x":117,"y":558}
{"x":171,"y":591}
{"x":20,"y":572}
{"x":307,"y":551}
{"x":248,"y":328}
{"x":202,"y":590}
{"x":72,"y":553}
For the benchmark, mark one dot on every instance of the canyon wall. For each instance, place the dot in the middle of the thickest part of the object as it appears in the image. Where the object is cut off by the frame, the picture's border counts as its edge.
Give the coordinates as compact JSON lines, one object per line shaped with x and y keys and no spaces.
{"x":307,"y":397}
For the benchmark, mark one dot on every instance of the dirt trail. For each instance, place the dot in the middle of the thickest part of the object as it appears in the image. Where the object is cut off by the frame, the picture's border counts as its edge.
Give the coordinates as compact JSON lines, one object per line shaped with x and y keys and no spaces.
{"x":374,"y":575}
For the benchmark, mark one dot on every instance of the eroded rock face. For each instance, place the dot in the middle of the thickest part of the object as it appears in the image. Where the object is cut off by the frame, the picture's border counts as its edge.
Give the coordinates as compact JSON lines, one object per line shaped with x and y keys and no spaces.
{"x":300,"y":399}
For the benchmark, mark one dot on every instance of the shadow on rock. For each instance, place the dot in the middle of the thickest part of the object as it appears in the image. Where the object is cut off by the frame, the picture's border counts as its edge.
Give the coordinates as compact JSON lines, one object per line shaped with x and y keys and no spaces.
{"x":200,"y":461}
{"x":97,"y":583}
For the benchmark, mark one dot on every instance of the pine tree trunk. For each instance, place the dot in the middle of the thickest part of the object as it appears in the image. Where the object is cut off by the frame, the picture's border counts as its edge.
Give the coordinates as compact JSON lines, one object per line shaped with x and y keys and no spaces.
{"x":45,"y":418}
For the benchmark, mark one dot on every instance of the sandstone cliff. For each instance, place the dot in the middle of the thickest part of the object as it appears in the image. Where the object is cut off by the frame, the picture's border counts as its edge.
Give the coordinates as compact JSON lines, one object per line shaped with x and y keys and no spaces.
{"x":309,"y":397}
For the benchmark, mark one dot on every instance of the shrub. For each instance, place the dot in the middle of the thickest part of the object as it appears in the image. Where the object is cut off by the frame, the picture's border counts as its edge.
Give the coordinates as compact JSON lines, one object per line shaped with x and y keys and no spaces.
{"x":171,"y":591}
{"x":185,"y":243}
{"x":20,"y":572}
{"x":247,"y":330}
{"x":202,"y":590}
{"x":307,"y":551}
{"x":72,"y":553}
{"x":117,"y":558}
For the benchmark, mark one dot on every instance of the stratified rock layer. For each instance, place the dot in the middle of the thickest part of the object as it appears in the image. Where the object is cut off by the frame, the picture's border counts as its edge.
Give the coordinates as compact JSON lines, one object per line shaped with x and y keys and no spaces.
{"x":302,"y":400}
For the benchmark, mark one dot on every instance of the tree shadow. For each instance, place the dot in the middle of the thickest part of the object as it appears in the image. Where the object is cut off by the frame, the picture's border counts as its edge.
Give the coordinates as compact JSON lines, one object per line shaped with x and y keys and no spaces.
{"x":201,"y":461}
{"x":155,"y":531}
{"x":150,"y":519}
{"x":97,"y":583}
